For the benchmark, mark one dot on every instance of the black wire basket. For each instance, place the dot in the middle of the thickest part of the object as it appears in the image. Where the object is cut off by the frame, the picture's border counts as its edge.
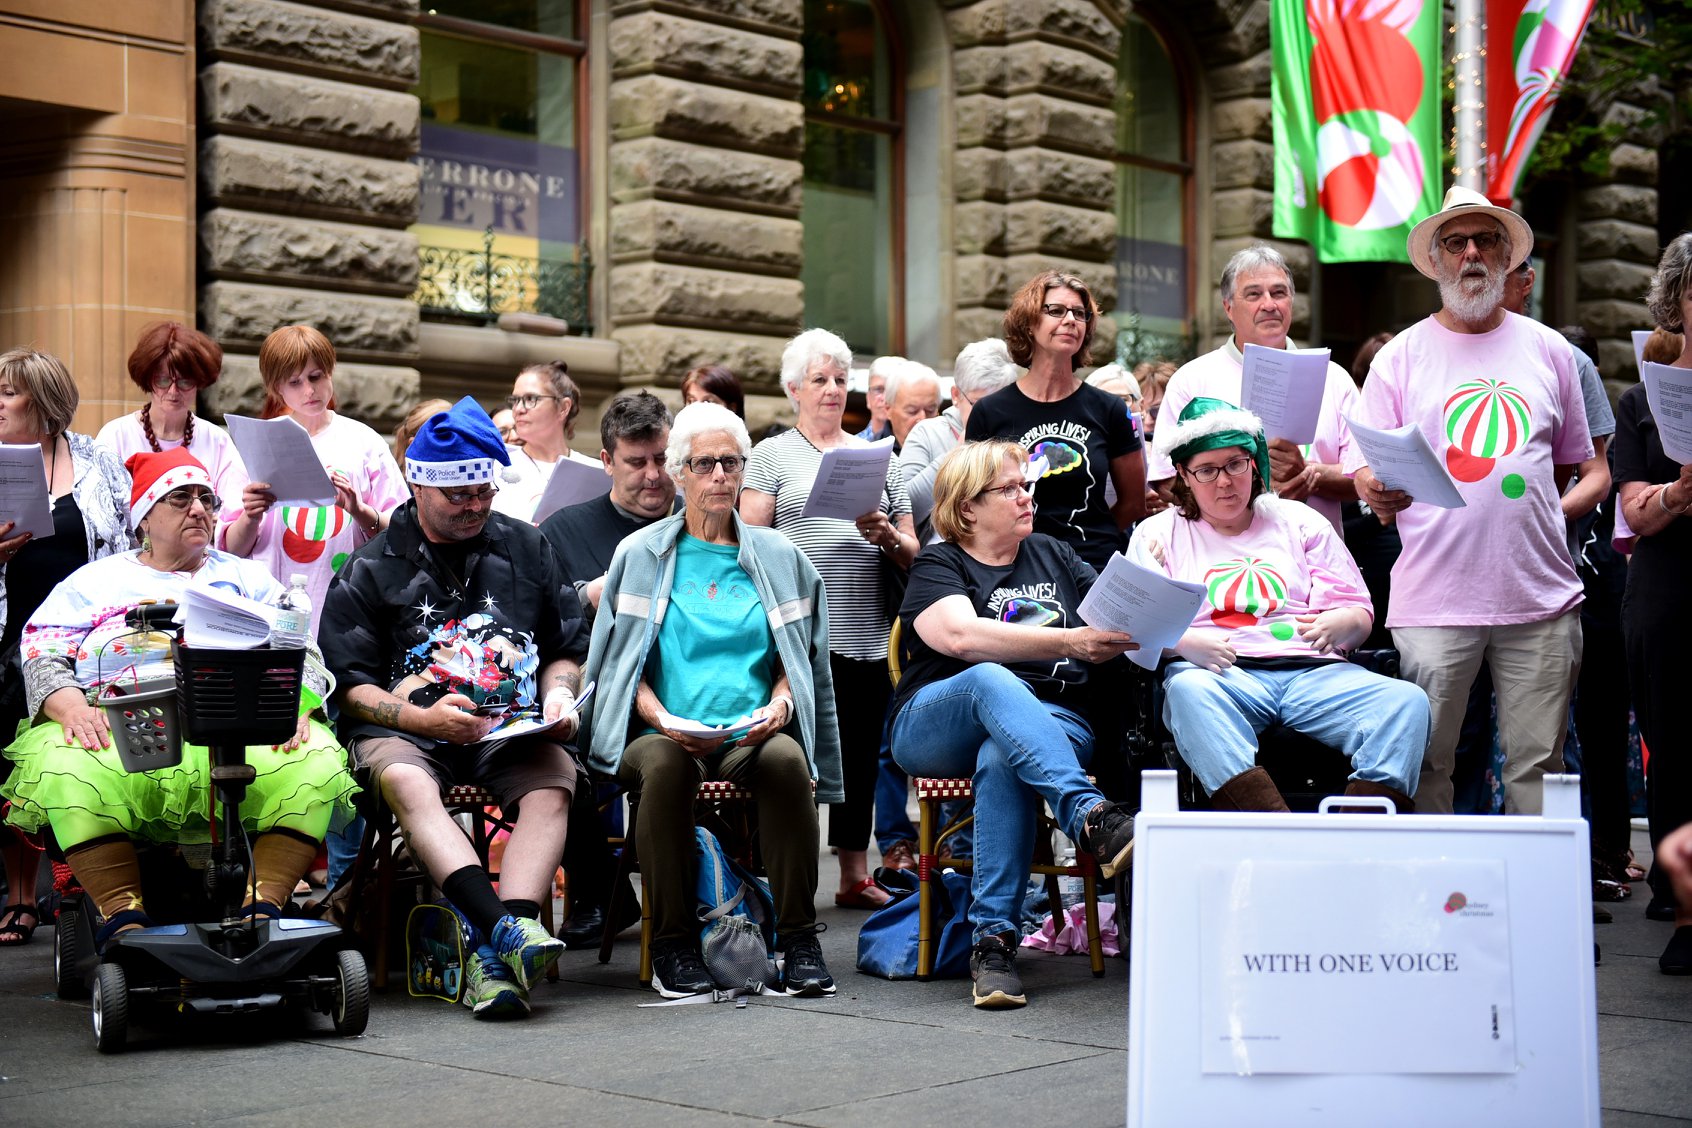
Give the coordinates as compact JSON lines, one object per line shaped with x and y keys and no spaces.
{"x":238,"y":696}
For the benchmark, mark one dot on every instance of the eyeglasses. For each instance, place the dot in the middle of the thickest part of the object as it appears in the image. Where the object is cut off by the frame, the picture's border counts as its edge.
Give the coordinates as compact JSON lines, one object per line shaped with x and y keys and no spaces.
{"x":1009,"y":492}
{"x":186,"y":383}
{"x":525,"y":403}
{"x":1484,"y":241}
{"x":706,"y":464}
{"x":465,"y":497}
{"x":1079,"y":313}
{"x":1237,"y":467}
{"x":184,"y":498}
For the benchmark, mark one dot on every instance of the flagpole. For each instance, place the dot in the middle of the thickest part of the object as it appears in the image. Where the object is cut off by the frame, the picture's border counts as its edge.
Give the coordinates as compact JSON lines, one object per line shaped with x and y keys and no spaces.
{"x":1468,"y":97}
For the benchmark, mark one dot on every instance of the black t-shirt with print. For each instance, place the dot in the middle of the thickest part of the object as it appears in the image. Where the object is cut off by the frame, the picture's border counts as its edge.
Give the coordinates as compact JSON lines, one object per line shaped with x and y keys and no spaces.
{"x":1043,"y":586}
{"x":1079,"y":435}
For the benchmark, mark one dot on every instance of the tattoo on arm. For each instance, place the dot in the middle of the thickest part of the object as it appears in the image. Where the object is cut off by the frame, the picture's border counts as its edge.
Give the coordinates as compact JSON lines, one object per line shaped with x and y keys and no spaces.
{"x":387,"y":714}
{"x":571,"y":682}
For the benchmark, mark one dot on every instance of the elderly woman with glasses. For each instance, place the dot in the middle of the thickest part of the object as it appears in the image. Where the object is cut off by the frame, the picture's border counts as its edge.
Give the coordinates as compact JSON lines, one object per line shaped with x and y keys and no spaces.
{"x":297,"y":365}
{"x":544,"y":403}
{"x":1082,"y":432}
{"x":88,"y":494}
{"x":996,"y":661}
{"x":854,"y":559}
{"x":1284,"y":605}
{"x":172,"y":364}
{"x":710,"y":623}
{"x":68,"y":774}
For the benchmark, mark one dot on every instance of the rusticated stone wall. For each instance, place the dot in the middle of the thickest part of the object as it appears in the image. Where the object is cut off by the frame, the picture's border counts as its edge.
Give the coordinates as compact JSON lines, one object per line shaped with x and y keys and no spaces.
{"x":1616,"y":246}
{"x":306,"y":124}
{"x":1034,"y":182}
{"x":705,"y":134}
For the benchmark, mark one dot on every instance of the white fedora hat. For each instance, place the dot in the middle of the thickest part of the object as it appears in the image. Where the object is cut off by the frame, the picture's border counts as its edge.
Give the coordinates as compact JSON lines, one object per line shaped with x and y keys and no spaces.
{"x":1460,"y":201}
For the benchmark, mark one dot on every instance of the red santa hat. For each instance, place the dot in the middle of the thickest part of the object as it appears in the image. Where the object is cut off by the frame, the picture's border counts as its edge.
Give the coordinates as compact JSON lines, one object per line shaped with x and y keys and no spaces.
{"x":156,"y":474}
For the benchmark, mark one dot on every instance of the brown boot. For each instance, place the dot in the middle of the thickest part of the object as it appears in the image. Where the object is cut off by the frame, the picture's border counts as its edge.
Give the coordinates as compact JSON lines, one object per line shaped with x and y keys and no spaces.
{"x":1251,"y":790}
{"x":1405,"y":804}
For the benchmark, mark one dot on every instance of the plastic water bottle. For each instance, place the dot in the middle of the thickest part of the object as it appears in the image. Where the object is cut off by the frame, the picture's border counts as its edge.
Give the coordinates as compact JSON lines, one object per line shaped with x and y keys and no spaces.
{"x":1071,"y":890}
{"x":292,"y":629}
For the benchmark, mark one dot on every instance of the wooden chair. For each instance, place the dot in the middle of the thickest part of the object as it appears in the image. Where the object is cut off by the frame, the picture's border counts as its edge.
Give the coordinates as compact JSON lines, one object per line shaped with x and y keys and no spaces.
{"x":931,"y":793}
{"x":476,"y":810}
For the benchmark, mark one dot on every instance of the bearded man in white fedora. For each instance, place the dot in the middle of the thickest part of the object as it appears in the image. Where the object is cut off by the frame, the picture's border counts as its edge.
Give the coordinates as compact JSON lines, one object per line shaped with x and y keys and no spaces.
{"x":1497,"y":396}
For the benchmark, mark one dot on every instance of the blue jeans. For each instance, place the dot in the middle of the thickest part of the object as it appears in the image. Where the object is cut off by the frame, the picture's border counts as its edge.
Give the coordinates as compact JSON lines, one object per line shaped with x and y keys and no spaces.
{"x":986,"y":724}
{"x":1381,"y":725}
{"x":892,"y":788}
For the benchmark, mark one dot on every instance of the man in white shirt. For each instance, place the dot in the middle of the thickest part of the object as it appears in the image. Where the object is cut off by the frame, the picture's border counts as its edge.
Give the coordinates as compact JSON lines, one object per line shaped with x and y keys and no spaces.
{"x":1257,"y":295}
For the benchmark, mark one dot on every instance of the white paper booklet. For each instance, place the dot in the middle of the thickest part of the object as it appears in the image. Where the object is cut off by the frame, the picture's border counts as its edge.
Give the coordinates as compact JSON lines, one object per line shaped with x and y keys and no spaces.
{"x":1283,"y":387}
{"x":849,"y":481}
{"x":1640,"y":336}
{"x":279,"y":451}
{"x":218,"y":618}
{"x":1154,"y":608}
{"x":704,"y":731}
{"x":1401,"y":459}
{"x":1669,"y":392}
{"x":23,"y":491}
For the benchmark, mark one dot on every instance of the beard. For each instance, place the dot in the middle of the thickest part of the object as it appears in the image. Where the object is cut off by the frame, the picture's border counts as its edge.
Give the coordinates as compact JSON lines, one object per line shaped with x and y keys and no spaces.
{"x":1463,"y":300}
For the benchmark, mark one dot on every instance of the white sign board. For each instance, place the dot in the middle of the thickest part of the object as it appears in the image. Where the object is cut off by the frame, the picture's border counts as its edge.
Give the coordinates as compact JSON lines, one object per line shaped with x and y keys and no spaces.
{"x":1361,"y":968}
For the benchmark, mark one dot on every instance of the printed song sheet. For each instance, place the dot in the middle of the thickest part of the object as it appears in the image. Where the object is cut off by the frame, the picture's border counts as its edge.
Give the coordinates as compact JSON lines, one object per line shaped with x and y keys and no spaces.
{"x":1154,"y":608}
{"x":1283,"y":387}
{"x":849,"y":481}
{"x":23,"y":491}
{"x":279,"y":451}
{"x":1640,"y":336}
{"x":1669,"y":392}
{"x":218,"y":618}
{"x":1402,"y":460}
{"x":571,"y":483}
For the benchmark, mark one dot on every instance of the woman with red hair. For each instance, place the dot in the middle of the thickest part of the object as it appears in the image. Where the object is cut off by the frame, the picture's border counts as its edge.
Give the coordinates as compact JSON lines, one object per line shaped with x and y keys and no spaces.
{"x":171,"y":364}
{"x":297,"y":365}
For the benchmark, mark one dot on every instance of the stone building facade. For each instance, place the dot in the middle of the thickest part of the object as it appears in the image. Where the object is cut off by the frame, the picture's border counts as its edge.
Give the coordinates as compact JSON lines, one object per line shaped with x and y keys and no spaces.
{"x":250,"y":163}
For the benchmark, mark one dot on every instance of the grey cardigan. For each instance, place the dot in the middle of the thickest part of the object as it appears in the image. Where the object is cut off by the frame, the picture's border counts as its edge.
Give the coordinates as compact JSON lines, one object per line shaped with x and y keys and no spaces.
{"x":632,"y":607}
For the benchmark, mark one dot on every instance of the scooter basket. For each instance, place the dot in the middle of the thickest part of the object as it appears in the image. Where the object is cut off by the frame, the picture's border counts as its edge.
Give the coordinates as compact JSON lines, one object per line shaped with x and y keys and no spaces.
{"x":146,"y":730}
{"x":238,"y":696}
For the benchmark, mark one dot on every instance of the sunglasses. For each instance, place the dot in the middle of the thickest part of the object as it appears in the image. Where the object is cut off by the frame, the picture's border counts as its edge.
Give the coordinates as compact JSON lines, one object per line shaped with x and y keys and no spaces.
{"x":1484,"y":241}
{"x":465,"y":497}
{"x":186,"y":383}
{"x":184,"y":498}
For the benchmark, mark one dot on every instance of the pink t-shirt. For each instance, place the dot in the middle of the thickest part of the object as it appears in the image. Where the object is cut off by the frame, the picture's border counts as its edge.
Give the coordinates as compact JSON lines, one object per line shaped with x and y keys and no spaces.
{"x":212,"y":447}
{"x":1289,"y":562}
{"x":1220,"y":374}
{"x":316,"y":541}
{"x":1503,"y":409}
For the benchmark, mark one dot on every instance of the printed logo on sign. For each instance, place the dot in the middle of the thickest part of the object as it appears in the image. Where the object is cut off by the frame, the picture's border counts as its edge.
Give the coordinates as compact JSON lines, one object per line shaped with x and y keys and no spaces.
{"x":1459,"y":905}
{"x":1455,"y":902}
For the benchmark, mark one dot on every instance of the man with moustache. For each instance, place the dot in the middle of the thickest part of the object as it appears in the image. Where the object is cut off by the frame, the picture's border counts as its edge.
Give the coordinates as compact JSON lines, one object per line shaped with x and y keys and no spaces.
{"x":1257,"y":295}
{"x":1498,"y":398}
{"x":442,"y":621}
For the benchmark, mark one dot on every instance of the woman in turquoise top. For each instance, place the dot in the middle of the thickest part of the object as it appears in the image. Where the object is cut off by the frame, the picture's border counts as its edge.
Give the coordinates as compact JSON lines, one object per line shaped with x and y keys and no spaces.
{"x":711,"y":654}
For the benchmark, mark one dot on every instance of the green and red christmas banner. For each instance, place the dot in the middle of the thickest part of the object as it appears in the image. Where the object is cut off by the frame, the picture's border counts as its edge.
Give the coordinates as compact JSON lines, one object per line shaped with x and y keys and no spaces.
{"x":1530,"y":45}
{"x":1357,"y":123}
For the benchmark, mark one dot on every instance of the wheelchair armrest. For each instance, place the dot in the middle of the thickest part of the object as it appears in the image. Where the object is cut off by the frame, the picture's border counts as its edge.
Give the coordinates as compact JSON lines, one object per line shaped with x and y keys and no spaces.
{"x":1383,"y":661}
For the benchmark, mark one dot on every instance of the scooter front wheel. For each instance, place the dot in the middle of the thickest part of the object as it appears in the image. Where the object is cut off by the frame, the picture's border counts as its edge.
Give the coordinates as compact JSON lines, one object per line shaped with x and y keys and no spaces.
{"x":352,"y":994}
{"x":111,"y":1009}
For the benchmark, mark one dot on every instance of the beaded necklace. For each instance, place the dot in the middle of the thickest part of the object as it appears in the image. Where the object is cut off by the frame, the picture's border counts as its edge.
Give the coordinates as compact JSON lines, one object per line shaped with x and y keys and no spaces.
{"x":152,"y":440}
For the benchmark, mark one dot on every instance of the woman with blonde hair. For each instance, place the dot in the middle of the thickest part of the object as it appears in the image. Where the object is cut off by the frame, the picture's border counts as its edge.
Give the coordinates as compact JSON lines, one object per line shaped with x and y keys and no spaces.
{"x":297,"y":365}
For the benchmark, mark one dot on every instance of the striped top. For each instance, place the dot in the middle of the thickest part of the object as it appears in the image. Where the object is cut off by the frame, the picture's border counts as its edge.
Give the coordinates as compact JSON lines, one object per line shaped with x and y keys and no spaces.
{"x":860,"y":610}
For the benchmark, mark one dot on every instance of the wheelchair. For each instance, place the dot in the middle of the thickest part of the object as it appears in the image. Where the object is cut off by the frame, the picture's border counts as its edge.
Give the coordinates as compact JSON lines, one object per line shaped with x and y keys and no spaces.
{"x":209,"y":957}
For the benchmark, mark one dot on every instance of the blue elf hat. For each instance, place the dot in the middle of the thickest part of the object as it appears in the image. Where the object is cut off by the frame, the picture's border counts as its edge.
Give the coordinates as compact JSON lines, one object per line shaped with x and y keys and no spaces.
{"x":457,"y":447}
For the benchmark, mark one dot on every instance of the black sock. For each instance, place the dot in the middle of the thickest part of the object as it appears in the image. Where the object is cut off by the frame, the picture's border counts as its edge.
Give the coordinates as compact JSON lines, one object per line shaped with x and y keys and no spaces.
{"x":470,"y":889}
{"x":530,"y":909}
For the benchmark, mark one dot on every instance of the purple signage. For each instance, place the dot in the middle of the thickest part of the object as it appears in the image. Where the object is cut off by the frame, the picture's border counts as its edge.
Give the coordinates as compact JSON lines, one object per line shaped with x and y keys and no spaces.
{"x":1151,"y":278}
{"x":517,"y":186}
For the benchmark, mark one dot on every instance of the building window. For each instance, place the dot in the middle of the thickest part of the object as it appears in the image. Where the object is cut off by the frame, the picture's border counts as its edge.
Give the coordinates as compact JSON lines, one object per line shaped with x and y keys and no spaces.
{"x":500,"y":223}
{"x":853,"y":177}
{"x":1154,"y":206}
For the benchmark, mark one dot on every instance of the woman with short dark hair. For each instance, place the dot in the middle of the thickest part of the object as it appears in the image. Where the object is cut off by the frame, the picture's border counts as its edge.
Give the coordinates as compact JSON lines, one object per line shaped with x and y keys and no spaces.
{"x":1083,"y":433}
{"x":714,"y":383}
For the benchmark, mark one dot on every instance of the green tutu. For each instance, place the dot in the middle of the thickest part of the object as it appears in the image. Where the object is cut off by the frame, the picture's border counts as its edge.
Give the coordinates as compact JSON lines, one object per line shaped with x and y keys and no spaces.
{"x":59,"y":784}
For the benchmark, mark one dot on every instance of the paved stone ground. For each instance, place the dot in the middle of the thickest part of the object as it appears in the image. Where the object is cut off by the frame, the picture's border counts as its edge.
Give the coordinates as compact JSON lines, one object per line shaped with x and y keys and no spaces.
{"x":905,"y":1054}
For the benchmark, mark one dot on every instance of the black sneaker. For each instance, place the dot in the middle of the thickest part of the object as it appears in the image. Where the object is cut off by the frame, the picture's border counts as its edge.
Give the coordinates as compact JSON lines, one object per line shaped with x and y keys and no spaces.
{"x":803,"y":972}
{"x":678,"y":970}
{"x":993,"y":967}
{"x":1109,"y":834}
